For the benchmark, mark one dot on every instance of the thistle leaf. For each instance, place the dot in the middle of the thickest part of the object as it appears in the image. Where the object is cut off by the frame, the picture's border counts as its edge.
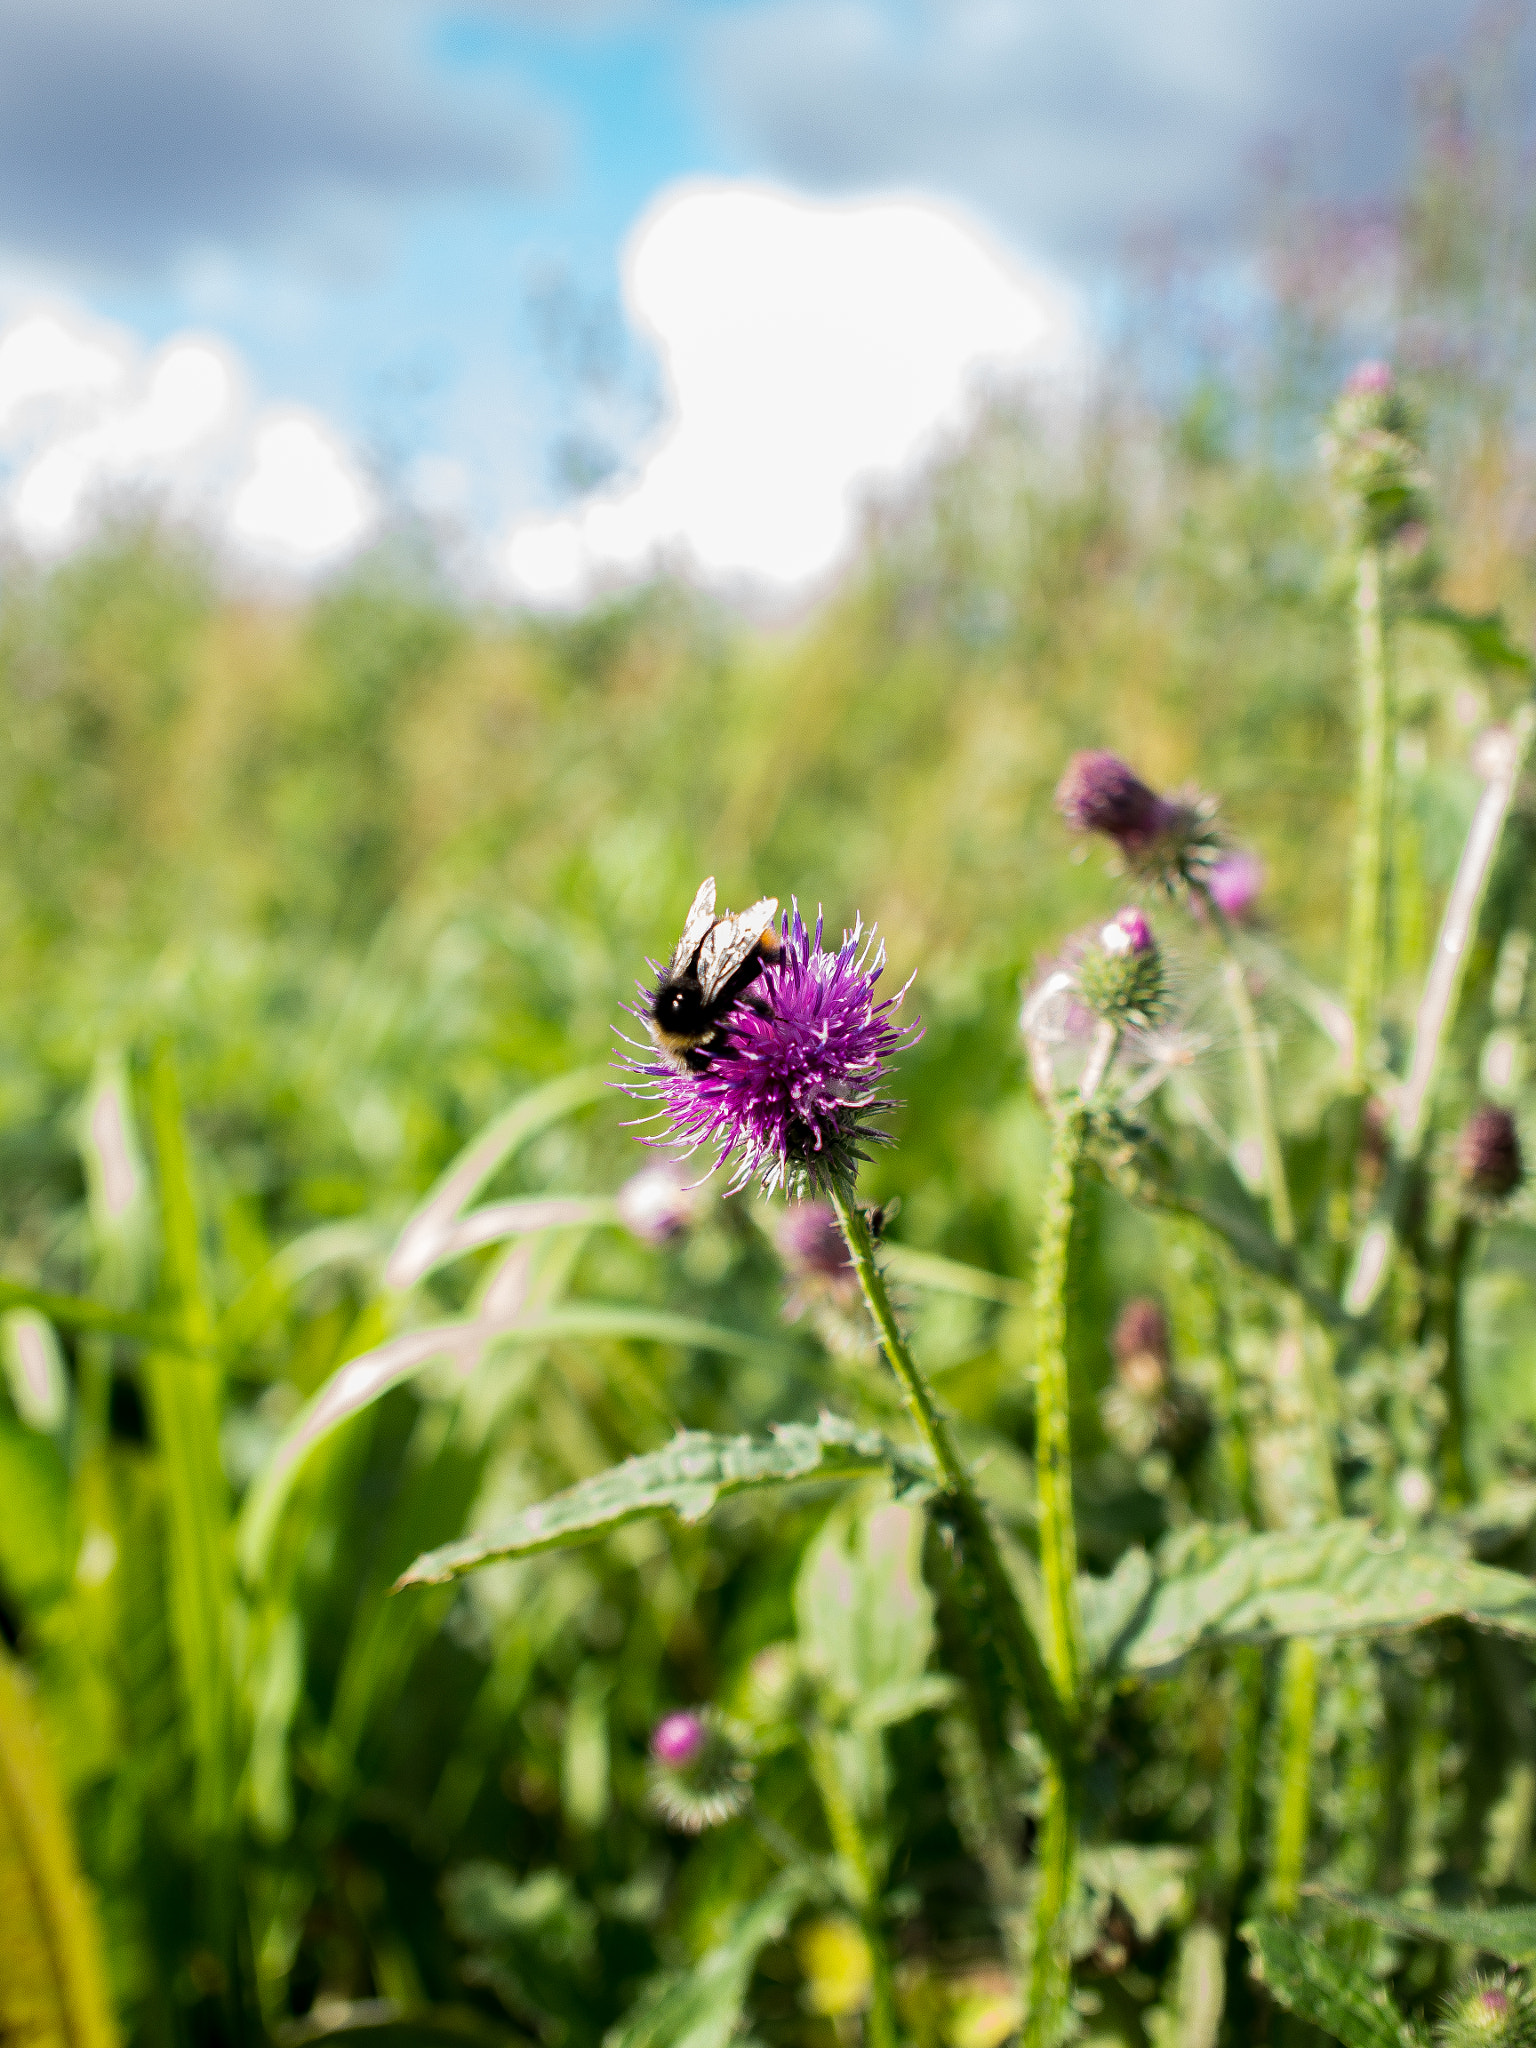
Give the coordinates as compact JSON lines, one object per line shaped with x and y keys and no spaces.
{"x":1338,"y":1580}
{"x":1332,"y":1994}
{"x":701,"y":2007}
{"x":1508,"y":1932}
{"x":52,"y":1982}
{"x":686,"y":1479}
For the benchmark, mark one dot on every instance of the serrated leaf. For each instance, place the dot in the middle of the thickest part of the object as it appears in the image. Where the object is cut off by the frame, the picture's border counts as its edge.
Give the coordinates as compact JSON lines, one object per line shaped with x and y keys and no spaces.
{"x":1110,"y":1605}
{"x":701,"y":2007}
{"x":1333,"y":1581}
{"x":1331,"y":1993}
{"x":52,"y":1983}
{"x":686,"y":1479}
{"x":1508,"y":1932}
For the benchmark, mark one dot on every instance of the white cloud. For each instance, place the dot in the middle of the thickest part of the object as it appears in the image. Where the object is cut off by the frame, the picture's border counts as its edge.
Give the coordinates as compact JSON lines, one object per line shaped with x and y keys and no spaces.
{"x":89,"y":422}
{"x":810,"y":353}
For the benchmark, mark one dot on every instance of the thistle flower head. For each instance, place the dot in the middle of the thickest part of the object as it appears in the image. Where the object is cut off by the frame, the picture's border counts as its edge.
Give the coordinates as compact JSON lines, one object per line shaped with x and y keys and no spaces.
{"x":701,"y":1773}
{"x":1370,"y":380}
{"x":1490,"y":2012}
{"x":1234,"y":882}
{"x":791,"y":1093}
{"x":1488,"y":1156}
{"x":1170,"y":841}
{"x":678,"y":1739}
{"x":1101,"y":793}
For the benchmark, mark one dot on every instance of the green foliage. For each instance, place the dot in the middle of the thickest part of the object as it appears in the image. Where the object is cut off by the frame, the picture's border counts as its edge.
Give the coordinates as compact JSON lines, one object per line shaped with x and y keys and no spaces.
{"x":1329,"y":1991}
{"x":687,"y":1479}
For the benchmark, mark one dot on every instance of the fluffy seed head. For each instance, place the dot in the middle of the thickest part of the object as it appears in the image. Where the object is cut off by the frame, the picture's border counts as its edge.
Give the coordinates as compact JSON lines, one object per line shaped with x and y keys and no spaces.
{"x":657,"y":1203}
{"x":791,"y":1094}
{"x":1488,"y":1154}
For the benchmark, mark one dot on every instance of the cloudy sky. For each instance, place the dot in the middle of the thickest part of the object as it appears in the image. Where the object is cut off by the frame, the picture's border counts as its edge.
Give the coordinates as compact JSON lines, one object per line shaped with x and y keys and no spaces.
{"x":593,"y":278}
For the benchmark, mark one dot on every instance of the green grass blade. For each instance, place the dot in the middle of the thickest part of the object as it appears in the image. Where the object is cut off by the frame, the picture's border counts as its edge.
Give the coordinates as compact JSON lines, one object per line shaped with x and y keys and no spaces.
{"x":362,"y":1380}
{"x":52,"y":1980}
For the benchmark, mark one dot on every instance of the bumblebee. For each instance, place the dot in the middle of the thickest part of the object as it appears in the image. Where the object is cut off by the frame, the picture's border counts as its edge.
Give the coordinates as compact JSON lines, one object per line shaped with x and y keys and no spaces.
{"x":712,"y":964}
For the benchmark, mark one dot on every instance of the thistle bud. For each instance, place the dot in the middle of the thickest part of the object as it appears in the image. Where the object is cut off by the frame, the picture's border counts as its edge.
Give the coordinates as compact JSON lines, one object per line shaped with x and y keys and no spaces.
{"x":1120,"y":975}
{"x":1490,"y":2012}
{"x":1168,"y":840}
{"x":1141,"y":1346}
{"x":1372,"y":450}
{"x":1488,"y":1155}
{"x":812,"y":1247}
{"x":678,"y":1740}
{"x":700,"y":1772}
{"x":1102,"y":793}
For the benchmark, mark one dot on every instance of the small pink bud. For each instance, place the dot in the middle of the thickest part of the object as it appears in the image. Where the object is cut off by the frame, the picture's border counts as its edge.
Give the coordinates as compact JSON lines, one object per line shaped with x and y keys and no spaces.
{"x":1370,"y":379}
{"x":1234,"y":883}
{"x":1127,"y":932}
{"x":677,"y":1740}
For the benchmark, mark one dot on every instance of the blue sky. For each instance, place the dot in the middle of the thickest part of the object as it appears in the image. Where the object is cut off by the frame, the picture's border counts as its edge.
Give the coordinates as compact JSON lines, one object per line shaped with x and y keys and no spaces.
{"x":408,"y":215}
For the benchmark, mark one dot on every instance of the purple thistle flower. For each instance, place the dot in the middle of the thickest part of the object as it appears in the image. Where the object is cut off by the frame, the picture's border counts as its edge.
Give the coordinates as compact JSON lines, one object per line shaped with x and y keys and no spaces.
{"x":792,"y":1090}
{"x":1127,"y":932}
{"x":1102,"y":793}
{"x":1234,"y":883}
{"x":678,"y":1739}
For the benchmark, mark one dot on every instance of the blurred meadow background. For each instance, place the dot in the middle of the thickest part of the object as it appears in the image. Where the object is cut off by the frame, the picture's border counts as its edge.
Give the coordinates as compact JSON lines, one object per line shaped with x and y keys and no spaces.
{"x":314,"y":870}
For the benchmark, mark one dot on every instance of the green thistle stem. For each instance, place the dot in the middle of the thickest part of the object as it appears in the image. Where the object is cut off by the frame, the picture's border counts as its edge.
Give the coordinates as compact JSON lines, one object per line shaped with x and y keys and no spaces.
{"x":1373,"y":818}
{"x":1453,"y":1444}
{"x":1282,"y":1221}
{"x":1233,"y":1821}
{"x":1052,"y":1712}
{"x":1293,"y":1810}
{"x":1053,"y":1406}
{"x":1056,"y":1849}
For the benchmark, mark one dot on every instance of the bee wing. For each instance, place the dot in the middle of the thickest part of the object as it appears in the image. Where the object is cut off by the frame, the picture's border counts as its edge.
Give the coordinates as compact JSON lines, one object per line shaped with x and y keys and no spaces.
{"x":695,"y":925}
{"x":728,"y":942}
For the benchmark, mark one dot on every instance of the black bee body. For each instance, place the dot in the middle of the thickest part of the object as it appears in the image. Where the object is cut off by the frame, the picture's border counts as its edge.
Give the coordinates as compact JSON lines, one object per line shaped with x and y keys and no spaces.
{"x":713,"y":964}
